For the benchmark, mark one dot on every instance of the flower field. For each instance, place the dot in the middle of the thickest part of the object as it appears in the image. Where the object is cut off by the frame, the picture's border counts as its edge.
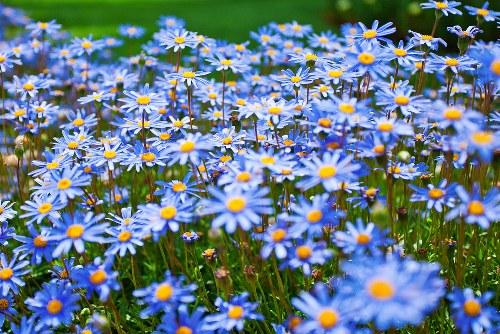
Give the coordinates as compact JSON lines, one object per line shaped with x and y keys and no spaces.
{"x":299,"y":182}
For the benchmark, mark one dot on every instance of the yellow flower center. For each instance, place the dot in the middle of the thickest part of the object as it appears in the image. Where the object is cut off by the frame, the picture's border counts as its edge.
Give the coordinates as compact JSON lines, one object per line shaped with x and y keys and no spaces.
{"x":483,"y":137}
{"x":347,"y":108}
{"x":148,"y":156}
{"x":441,"y":5}
{"x":189,"y":75}
{"x":279,"y":235}
{"x":28,"y":86}
{"x":453,"y":114}
{"x":145,"y":124}
{"x":73,"y":145}
{"x":109,"y":154}
{"x":87,"y":45}
{"x":236,"y":204}
{"x":63,"y":184}
{"x":124,"y":236}
{"x":187,"y":146}
{"x":168,"y":212}
{"x":19,"y":112}
{"x":184,"y":330}
{"x":371,"y":192}
{"x":303,"y":252}
{"x":472,"y":308}
{"x":275,"y":110}
{"x":386,"y":127}
{"x":4,"y":304}
{"x":482,"y":12}
{"x":165,"y":136}
{"x":261,"y":137}
{"x":227,"y":141}
{"x":366,"y":58}
{"x":324,"y":122}
{"x":45,"y":208}
{"x":402,"y":100}
{"x":363,"y":239}
{"x":326,"y":172}
{"x":381,"y":290}
{"x":267,"y":160}
{"x":225,"y":158}
{"x":143,"y":100}
{"x":328,"y":318}
{"x":400,"y":52}
{"x":40,"y":241}
{"x":226,"y":62}
{"x":243,"y":177}
{"x":235,"y":312}
{"x":436,"y":193}
{"x":335,"y":73}
{"x":314,"y":216}
{"x":179,"y":187}
{"x":476,"y":208}
{"x":98,"y":277}
{"x":78,"y":122}
{"x":6,"y":273}
{"x":369,"y":34}
{"x":54,"y":306}
{"x":379,"y":149}
{"x":2,"y":59}
{"x":394,"y":169}
{"x":427,"y":37}
{"x":164,"y":292}
{"x":288,"y":142}
{"x":451,"y":62}
{"x":311,"y":56}
{"x":179,"y":40}
{"x":295,"y":79}
{"x":75,"y":231}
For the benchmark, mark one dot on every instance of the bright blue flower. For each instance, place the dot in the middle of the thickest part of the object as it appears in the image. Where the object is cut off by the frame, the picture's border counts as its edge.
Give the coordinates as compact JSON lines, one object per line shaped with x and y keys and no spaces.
{"x":67,"y":184}
{"x":373,"y":35}
{"x":97,"y":277}
{"x":483,"y":13}
{"x":7,"y":302}
{"x":11,"y":272}
{"x":183,"y":322}
{"x":362,"y":238}
{"x":143,"y":101}
{"x":38,"y":246}
{"x":443,"y":6}
{"x":165,"y":296}
{"x":130,"y":31}
{"x":400,"y":98}
{"x":192,"y":148}
{"x":54,"y":305}
{"x":278,"y":239}
{"x":305,"y":254}
{"x":435,"y":197}
{"x":232,"y":314}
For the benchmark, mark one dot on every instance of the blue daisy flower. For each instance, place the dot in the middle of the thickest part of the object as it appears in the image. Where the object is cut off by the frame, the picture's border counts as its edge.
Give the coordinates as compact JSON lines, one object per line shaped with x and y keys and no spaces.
{"x":98,"y":277}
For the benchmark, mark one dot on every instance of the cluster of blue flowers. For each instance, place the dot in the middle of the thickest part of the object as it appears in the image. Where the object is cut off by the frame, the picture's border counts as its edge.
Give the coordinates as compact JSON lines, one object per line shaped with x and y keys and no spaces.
{"x":311,"y":153}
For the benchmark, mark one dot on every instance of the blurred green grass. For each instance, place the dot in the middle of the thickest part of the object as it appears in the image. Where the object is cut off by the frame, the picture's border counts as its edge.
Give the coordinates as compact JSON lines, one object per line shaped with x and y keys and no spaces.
{"x":222,"y":19}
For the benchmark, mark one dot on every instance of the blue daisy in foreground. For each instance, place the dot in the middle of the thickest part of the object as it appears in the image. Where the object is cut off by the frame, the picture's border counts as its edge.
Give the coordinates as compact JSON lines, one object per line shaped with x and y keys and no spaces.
{"x":11,"y":272}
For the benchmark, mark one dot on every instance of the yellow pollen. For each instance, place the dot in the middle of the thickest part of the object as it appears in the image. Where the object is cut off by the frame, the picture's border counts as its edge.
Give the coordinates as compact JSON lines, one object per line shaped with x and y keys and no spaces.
{"x":379,"y":149}
{"x":187,"y":146}
{"x":314,"y":216}
{"x":235,"y":312}
{"x":267,"y":160}
{"x":54,"y":306}
{"x":386,"y":127}
{"x":73,"y":145}
{"x":369,"y":34}
{"x":52,"y":165}
{"x":40,"y":241}
{"x":19,"y":112}
{"x":274,"y":110}
{"x":265,"y":38}
{"x":371,"y":192}
{"x":212,"y":96}
{"x":109,"y":154}
{"x":189,"y":75}
{"x":363,"y":239}
{"x":323,"y":40}
{"x":483,"y":137}
{"x":328,"y":318}
{"x":482,"y":12}
{"x":472,"y":308}
{"x":164,"y":292}
{"x":279,"y":235}
{"x":28,"y":86}
{"x":227,"y":141}
{"x":400,"y":52}
{"x":295,"y":79}
{"x":98,"y":277}
{"x":143,"y":100}
{"x":476,"y":208}
{"x":453,"y":114}
{"x":78,"y":122}
{"x":179,"y":40}
{"x":168,"y":212}
{"x":311,"y":56}
{"x":441,"y":5}
{"x":87,"y":45}
{"x":381,"y":290}
{"x":184,"y":330}
{"x":451,"y":62}
{"x":124,"y":236}
{"x":239,"y":102}
{"x":40,"y":109}
{"x":236,"y":204}
{"x":324,"y":122}
{"x":63,"y":184}
{"x":2,"y":59}
{"x":6,"y":273}
{"x":366,"y":58}
{"x":75,"y":231}
{"x":303,"y":252}
{"x":323,"y":89}
{"x":326,"y":172}
{"x":225,"y":158}
{"x":402,"y":100}
{"x":436,"y":193}
{"x":44,"y":208}
{"x":165,"y":136}
{"x":148,"y":156}
{"x":347,"y":108}
{"x":394,"y":169}
{"x":4,"y":304}
{"x":127,"y":220}
{"x":226,"y":62}
{"x":179,"y":187}
{"x":261,"y":137}
{"x":426,"y":37}
{"x":243,"y":177}
{"x":335,"y":73}
{"x":288,"y":142}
